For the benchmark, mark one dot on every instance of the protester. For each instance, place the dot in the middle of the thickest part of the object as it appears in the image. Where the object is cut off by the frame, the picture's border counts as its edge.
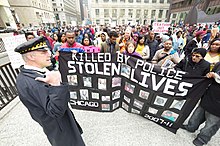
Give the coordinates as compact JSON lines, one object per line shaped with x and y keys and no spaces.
{"x":45,"y":96}
{"x":124,"y":39}
{"x":143,"y":49}
{"x":130,"y":50}
{"x":166,"y":57}
{"x":110,"y":46}
{"x":213,"y":54}
{"x":208,"y":111}
{"x":152,"y":43}
{"x":29,"y":36}
{"x":86,"y":41}
{"x":71,"y":45}
{"x":195,"y":64}
{"x":195,"y":42}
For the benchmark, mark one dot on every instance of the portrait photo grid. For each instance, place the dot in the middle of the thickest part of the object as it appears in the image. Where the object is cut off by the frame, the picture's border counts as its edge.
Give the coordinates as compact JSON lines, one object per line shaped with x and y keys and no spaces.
{"x":88,"y":89}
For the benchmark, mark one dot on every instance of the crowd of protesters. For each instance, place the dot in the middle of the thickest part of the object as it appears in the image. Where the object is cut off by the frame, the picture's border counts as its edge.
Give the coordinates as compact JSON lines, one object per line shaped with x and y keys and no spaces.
{"x":191,"y":48}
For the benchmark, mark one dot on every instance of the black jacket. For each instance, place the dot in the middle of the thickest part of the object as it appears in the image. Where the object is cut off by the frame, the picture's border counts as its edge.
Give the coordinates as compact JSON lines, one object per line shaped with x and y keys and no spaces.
{"x":189,"y":47}
{"x":211,"y":99}
{"x":48,"y":105}
{"x":194,"y":69}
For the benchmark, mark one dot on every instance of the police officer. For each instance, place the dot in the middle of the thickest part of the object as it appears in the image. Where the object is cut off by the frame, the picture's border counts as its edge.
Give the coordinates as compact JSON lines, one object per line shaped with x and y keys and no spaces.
{"x":45,"y":96}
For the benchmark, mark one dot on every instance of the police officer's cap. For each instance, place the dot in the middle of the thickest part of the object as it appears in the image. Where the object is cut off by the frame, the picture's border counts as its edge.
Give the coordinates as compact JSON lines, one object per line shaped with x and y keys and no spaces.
{"x":38,"y":43}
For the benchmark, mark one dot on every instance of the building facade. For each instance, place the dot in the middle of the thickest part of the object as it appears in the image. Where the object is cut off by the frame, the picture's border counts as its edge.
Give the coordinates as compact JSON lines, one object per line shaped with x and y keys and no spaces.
{"x":180,"y":8}
{"x":67,"y":11}
{"x":128,"y":11}
{"x":6,"y":17}
{"x":33,"y":12}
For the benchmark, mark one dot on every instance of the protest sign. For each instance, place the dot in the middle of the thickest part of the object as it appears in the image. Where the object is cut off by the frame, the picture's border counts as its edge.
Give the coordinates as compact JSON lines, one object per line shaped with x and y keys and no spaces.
{"x":10,"y":44}
{"x":160,"y":27}
{"x":106,"y":82}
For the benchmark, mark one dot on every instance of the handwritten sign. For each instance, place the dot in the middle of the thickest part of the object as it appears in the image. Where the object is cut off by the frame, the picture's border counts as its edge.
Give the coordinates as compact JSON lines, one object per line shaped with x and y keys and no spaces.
{"x":10,"y":44}
{"x":160,"y":27}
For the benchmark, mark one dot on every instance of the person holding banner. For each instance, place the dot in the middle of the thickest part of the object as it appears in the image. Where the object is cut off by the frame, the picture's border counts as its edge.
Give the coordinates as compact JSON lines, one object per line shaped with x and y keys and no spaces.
{"x":45,"y":97}
{"x":71,"y":45}
{"x":207,"y":111}
{"x":166,"y":57}
{"x":195,"y":64}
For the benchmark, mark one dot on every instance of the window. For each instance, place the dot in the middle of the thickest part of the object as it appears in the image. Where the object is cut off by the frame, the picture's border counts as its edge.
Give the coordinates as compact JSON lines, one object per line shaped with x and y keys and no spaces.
{"x":174,"y":15}
{"x":122,"y":12}
{"x":123,"y":21}
{"x":161,"y":1}
{"x":54,"y":4}
{"x":145,"y":13}
{"x":153,"y":13}
{"x":130,"y":12}
{"x":114,"y":12}
{"x":138,"y":13}
{"x":154,"y":1}
{"x":130,"y":1}
{"x":122,"y":1}
{"x":114,"y":1}
{"x":106,"y":21}
{"x":98,"y":22}
{"x":146,"y":1}
{"x":106,"y":0}
{"x":96,"y":1}
{"x":160,"y":14}
{"x":106,"y":12}
{"x":96,"y":11}
{"x":167,"y":13}
{"x":138,"y":1}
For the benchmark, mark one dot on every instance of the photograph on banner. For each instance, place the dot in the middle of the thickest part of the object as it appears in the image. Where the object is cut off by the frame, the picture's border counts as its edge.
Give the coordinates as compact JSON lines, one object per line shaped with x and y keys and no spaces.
{"x":102,"y":84}
{"x":161,"y":101}
{"x":170,"y":115}
{"x":125,"y":70}
{"x":144,"y":94}
{"x":116,"y":94}
{"x":125,"y":106}
{"x":73,"y":95}
{"x":72,"y":80}
{"x":138,"y":104}
{"x":116,"y":81}
{"x":87,"y":81}
{"x":84,"y":94}
{"x":106,"y":107}
{"x":115,"y":105}
{"x":178,"y":104}
{"x":167,"y":63}
{"x":127,"y":99}
{"x":135,"y":111}
{"x":129,"y":87}
{"x":152,"y":110}
{"x":106,"y":98}
{"x":95,"y":95}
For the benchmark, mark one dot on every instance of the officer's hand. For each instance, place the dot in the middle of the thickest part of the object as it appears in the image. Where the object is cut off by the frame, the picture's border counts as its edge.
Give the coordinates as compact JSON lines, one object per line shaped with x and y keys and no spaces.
{"x":52,"y":77}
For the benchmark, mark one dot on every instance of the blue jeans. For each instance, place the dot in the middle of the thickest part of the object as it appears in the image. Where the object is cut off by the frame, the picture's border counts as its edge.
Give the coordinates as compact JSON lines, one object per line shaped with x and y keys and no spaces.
{"x":212,"y":124}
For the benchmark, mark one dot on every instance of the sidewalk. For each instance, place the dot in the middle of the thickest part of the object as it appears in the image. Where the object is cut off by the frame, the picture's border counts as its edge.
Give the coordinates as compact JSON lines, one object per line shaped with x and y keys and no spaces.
{"x":118,"y":128}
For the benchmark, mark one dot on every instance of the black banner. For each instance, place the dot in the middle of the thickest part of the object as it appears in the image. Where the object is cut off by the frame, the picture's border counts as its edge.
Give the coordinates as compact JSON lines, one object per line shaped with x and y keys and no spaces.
{"x":105,"y":82}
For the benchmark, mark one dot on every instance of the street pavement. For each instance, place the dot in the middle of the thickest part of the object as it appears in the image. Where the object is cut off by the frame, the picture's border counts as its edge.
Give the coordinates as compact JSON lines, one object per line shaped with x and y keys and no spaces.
{"x":118,"y":128}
